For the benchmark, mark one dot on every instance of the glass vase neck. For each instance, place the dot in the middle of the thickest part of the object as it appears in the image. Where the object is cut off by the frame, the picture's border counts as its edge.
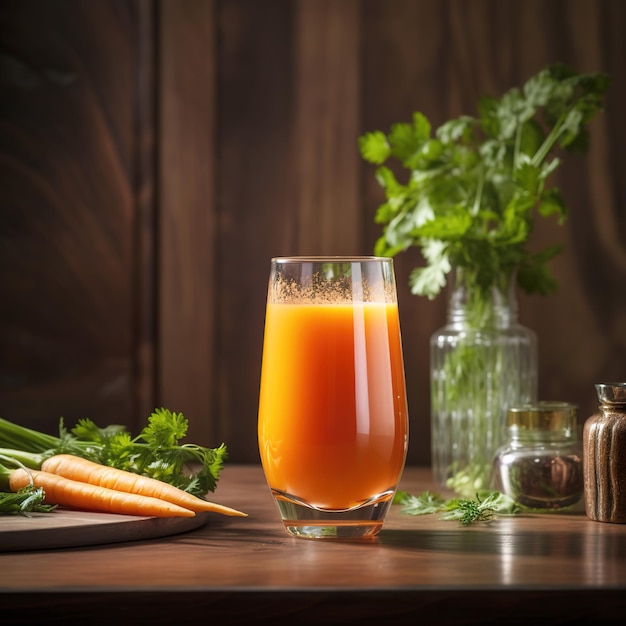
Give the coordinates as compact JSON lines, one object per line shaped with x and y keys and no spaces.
{"x":472,"y":303}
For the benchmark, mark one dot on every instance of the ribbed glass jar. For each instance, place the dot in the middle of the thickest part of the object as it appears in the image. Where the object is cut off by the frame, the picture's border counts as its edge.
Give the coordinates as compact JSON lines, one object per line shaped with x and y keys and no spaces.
{"x":482,"y":362}
{"x":541,"y":464}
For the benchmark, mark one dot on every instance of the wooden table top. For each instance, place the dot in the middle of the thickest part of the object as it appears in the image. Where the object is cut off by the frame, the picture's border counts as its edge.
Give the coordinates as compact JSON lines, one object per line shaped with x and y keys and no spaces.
{"x":548,"y":567}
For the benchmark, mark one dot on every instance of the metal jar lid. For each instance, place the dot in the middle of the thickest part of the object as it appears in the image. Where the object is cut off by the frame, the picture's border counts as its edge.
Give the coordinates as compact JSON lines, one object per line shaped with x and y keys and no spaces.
{"x":546,"y":415}
{"x":611,"y":393}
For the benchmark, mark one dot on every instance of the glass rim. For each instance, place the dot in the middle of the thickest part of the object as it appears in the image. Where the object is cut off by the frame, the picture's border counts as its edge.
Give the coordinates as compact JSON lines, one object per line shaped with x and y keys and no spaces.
{"x":331,"y":259}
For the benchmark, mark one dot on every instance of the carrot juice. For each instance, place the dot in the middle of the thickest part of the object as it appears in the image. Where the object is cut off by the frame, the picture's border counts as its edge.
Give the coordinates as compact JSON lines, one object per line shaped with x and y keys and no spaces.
{"x":332,"y":408}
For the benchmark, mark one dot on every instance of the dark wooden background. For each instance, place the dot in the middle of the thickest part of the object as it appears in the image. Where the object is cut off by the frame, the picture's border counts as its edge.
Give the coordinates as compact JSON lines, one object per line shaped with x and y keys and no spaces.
{"x":155,"y":154}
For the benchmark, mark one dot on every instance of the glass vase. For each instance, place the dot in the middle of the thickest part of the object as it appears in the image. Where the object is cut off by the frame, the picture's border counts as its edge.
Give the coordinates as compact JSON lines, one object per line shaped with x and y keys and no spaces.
{"x":482,"y":362}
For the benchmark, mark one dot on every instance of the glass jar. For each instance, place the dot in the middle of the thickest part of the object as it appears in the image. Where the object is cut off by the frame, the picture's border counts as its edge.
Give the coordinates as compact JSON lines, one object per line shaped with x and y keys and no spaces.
{"x":604,"y":453}
{"x":541,"y":465}
{"x":482,"y":362}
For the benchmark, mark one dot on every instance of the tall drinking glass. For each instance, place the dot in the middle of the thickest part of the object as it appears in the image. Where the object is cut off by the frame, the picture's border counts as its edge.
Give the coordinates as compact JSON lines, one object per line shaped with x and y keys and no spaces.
{"x":333,"y":423}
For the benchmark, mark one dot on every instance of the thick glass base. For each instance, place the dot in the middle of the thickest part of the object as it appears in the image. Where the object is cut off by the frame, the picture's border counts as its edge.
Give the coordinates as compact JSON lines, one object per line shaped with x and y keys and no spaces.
{"x":304,"y":520}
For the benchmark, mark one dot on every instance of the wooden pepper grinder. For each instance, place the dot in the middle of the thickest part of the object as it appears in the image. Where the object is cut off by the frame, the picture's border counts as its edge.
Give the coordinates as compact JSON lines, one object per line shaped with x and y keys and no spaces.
{"x":604,"y":456}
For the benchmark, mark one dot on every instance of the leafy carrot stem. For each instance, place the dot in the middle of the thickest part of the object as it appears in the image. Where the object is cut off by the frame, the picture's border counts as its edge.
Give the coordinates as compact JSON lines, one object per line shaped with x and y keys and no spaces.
{"x":28,"y":499}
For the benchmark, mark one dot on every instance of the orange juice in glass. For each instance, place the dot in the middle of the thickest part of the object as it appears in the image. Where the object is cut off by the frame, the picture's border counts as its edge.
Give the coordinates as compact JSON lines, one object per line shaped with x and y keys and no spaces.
{"x":333,"y":423}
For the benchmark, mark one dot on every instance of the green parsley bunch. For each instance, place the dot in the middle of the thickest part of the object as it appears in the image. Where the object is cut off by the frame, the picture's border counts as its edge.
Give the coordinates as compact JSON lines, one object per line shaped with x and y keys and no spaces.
{"x":476,"y":185}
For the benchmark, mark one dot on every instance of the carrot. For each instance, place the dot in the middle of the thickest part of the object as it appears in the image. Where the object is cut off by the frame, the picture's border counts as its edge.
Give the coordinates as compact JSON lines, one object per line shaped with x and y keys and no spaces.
{"x":78,"y":495}
{"x":83,"y":470}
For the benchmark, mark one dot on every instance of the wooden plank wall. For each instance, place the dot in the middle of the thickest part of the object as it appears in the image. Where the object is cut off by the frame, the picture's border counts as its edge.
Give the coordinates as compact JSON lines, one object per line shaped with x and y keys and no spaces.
{"x":156,"y":153}
{"x":76,"y":211}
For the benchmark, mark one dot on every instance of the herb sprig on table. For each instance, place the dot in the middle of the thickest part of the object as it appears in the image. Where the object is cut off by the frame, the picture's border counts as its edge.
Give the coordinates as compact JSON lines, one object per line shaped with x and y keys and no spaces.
{"x":485,"y":506}
{"x":475,"y":187}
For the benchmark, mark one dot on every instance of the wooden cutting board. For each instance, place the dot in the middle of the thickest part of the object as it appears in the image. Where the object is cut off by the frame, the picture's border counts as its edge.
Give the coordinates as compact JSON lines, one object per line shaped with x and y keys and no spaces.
{"x":66,"y":528}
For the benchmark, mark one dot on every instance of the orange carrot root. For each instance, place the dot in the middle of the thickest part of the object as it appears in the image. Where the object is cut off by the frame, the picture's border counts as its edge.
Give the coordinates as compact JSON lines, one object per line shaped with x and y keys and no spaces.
{"x":83,"y":470}
{"x":80,"y":495}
